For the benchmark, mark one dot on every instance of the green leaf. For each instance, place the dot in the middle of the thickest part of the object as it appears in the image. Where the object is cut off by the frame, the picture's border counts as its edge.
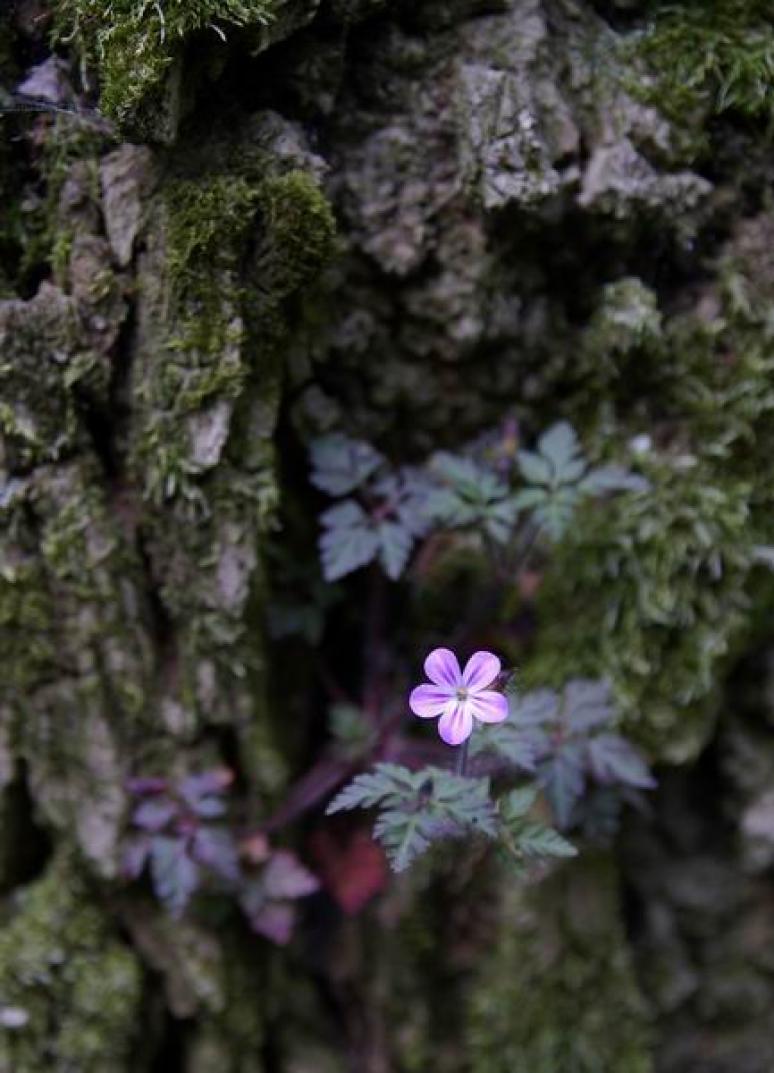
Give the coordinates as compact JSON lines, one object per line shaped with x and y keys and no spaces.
{"x":395,"y":544}
{"x":535,"y":840}
{"x":534,"y":468}
{"x":520,"y":747}
{"x":560,"y":448}
{"x":613,"y":479}
{"x":516,"y":804}
{"x":371,"y":787}
{"x":341,"y":464}
{"x":418,"y":808}
{"x":348,"y":540}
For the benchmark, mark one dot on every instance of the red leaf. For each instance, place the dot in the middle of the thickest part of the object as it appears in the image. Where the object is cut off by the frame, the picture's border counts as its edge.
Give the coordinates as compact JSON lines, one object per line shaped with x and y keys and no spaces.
{"x":351,"y":865}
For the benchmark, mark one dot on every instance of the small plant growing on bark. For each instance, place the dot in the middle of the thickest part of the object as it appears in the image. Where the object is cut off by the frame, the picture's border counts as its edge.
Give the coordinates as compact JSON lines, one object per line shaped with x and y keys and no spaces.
{"x":182,"y":838}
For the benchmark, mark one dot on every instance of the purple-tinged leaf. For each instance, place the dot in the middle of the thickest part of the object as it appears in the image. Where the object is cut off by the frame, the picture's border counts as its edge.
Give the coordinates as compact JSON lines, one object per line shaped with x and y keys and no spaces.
{"x":562,"y":778}
{"x":285,"y":877}
{"x":275,"y":921}
{"x":135,"y":856}
{"x":215,"y":848}
{"x":175,"y":876}
{"x":612,"y":759}
{"x":534,"y":709}
{"x":209,"y":808}
{"x":588,"y":704}
{"x":205,"y":784}
{"x":154,"y":813}
{"x":143,"y":786}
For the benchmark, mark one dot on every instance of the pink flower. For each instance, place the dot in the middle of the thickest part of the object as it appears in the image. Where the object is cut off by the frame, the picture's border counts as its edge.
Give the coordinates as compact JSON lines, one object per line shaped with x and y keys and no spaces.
{"x":457,"y":696}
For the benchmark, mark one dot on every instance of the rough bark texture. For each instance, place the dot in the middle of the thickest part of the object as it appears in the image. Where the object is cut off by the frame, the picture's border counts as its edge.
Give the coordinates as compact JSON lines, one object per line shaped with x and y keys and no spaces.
{"x":406,"y":220}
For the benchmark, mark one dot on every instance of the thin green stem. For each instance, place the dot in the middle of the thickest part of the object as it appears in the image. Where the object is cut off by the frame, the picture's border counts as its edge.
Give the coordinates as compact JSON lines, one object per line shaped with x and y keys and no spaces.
{"x":462,"y":758}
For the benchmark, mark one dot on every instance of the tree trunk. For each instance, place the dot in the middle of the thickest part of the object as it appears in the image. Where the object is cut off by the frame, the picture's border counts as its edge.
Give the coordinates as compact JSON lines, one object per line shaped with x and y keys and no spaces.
{"x":231,"y":225}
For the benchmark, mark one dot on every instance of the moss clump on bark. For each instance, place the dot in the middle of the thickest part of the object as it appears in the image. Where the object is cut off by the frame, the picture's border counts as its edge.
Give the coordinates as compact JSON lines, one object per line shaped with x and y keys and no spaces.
{"x":136,"y":45}
{"x":655,"y":585}
{"x":716,"y":56}
{"x":74,"y":989}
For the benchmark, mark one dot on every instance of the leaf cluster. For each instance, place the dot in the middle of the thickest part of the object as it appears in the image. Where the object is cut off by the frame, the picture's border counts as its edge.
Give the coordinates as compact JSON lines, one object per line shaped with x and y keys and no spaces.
{"x":385,"y":512}
{"x":178,"y":837}
{"x":268,"y":897}
{"x":419,"y":808}
{"x":559,"y":476}
{"x":381,"y":523}
{"x":568,"y":740}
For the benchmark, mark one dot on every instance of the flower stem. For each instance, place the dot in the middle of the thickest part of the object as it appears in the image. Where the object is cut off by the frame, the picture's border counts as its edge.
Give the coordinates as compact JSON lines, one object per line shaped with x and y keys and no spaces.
{"x":462,"y":758}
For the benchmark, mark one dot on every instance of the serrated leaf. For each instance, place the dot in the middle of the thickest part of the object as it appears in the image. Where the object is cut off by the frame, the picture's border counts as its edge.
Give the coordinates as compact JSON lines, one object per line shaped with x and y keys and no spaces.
{"x":536,"y":840}
{"x":534,"y":468}
{"x":519,"y":747}
{"x":613,"y":478}
{"x":559,"y":446}
{"x":175,"y":876}
{"x":403,"y":837}
{"x":465,"y":801}
{"x":341,"y":464}
{"x":562,"y":778}
{"x":516,"y":804}
{"x":417,"y":808}
{"x":395,"y":544}
{"x":348,"y":541}
{"x":530,"y":498}
{"x":537,"y":708}
{"x":371,"y":787}
{"x":587,"y":704}
{"x":613,"y":759}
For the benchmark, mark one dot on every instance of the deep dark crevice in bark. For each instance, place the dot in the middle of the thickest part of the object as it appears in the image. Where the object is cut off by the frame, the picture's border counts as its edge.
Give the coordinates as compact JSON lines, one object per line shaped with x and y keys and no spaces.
{"x":26,"y":846}
{"x":171,"y":1053}
{"x":160,"y":623}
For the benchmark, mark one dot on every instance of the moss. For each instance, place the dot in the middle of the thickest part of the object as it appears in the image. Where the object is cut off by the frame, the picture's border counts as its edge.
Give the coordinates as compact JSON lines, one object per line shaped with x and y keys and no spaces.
{"x":556,"y":992}
{"x":300,"y":227}
{"x":205,"y":227}
{"x":136,"y":46}
{"x":76,"y":987}
{"x":716,"y":56}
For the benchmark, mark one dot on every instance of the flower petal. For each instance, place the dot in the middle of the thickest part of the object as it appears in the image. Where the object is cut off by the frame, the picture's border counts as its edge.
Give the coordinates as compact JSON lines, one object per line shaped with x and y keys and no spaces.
{"x":456,"y":723}
{"x":442,"y":668}
{"x":481,"y":670}
{"x":428,"y":701}
{"x":489,"y":706}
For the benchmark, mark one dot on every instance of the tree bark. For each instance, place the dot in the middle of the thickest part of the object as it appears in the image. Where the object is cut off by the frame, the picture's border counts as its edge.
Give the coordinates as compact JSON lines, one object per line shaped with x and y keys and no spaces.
{"x":231,"y":228}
